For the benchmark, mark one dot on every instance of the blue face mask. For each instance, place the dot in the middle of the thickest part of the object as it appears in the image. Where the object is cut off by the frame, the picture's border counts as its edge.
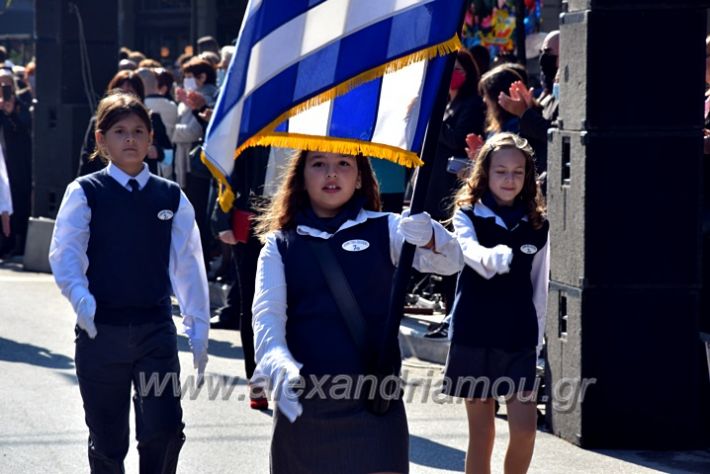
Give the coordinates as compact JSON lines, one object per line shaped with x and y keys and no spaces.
{"x":556,"y":90}
{"x":221,"y":73}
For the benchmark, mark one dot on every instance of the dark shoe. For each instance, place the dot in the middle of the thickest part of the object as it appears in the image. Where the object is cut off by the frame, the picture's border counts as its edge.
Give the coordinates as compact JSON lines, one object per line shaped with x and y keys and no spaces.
{"x":441,"y":331}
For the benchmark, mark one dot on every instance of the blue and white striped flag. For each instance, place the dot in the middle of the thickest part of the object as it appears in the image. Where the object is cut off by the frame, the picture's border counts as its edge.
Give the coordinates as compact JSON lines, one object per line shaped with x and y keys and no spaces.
{"x":348,"y":76}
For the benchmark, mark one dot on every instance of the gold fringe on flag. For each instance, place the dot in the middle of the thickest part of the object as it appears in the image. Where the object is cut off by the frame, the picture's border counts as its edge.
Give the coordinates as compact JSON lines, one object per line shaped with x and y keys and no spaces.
{"x":343,"y":146}
{"x":447,"y":47}
{"x":226,"y":194}
{"x":267,"y":135}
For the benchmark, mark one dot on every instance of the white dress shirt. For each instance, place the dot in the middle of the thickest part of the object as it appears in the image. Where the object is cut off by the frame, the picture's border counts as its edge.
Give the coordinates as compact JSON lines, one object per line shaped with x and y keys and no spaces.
{"x":475,"y":256}
{"x":5,"y":196}
{"x":69,"y":262}
{"x":269,"y":307}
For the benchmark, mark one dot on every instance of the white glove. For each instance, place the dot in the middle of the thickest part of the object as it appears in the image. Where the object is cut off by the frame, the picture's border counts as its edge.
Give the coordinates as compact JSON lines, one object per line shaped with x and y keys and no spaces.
{"x":199,"y":357}
{"x":416,"y":229}
{"x":85,"y":311}
{"x":286,"y":400}
{"x":279,"y":368}
{"x":499,"y":259}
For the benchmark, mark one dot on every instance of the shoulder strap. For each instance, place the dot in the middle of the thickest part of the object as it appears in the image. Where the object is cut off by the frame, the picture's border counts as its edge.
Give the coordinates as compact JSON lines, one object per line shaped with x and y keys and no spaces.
{"x":341,"y":291}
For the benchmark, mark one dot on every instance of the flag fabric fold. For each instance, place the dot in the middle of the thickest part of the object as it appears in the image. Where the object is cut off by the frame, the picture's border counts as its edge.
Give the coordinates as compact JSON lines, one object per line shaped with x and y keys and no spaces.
{"x":332,"y":75}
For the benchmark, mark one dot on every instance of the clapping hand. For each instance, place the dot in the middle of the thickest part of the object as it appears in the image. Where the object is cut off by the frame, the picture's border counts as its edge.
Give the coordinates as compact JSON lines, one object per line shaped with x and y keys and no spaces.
{"x":195,"y":100}
{"x":519,"y":100}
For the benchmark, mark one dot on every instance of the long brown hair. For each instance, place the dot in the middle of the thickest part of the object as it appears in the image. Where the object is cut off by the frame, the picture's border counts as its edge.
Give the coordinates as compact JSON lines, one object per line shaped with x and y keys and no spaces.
{"x":494,"y":82}
{"x":476,"y":185}
{"x":292,"y":197}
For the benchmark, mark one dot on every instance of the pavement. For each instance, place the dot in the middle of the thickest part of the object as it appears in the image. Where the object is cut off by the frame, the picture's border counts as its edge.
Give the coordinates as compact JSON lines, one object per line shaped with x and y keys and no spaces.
{"x":41,"y":417}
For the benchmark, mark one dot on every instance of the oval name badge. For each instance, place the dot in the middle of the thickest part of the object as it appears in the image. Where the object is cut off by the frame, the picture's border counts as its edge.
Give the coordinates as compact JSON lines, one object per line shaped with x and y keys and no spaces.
{"x":528,"y":249}
{"x":165,"y":214}
{"x":355,"y":245}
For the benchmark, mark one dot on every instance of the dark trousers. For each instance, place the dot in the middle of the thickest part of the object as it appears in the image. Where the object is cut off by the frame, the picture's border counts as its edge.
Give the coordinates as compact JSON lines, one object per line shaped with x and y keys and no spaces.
{"x":107,"y":366}
{"x":230,"y":313}
{"x":197,"y":191}
{"x":247,"y":256}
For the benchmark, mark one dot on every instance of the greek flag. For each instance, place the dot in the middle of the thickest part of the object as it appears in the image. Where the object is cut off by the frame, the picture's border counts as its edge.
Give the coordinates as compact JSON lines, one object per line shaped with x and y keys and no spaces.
{"x":347,"y":76}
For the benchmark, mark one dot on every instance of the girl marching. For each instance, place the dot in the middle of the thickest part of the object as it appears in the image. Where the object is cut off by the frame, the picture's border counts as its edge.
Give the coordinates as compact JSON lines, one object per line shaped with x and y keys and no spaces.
{"x":124,"y":241}
{"x":331,"y":200}
{"x":501,"y":299}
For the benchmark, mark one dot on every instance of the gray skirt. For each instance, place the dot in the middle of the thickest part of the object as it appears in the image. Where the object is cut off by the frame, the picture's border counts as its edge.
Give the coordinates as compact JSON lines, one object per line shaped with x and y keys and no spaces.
{"x":480,"y":372}
{"x":340,"y":437}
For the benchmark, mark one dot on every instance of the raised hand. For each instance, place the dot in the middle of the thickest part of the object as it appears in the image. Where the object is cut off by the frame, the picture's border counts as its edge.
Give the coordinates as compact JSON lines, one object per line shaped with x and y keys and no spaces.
{"x":519,"y":100}
{"x":473,"y":145}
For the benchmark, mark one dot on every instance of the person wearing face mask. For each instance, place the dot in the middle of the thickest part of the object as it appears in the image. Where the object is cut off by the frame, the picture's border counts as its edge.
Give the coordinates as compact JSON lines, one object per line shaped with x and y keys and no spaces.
{"x":538,"y":114}
{"x":226,"y":54}
{"x":464,"y":115}
{"x":16,"y":149}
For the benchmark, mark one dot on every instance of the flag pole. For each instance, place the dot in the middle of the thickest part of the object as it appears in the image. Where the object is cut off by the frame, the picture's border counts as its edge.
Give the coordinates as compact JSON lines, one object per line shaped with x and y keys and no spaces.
{"x":402,"y":272}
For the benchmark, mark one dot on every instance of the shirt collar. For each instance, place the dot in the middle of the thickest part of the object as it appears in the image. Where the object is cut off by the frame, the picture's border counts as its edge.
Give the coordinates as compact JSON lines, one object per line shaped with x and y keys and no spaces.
{"x":362,"y":216}
{"x":122,"y":177}
{"x":481,"y":210}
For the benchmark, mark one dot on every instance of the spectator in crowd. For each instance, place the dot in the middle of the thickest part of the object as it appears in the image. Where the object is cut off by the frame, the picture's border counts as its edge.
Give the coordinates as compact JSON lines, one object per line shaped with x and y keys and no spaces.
{"x":198,"y":93}
{"x":211,"y":57}
{"x":199,"y":75}
{"x":182,"y":59}
{"x":30,"y":77}
{"x":226,"y":57}
{"x":188,"y":129}
{"x":149,"y":63}
{"x":165,"y":83}
{"x":5,"y":63}
{"x":16,"y":144}
{"x":123,"y":52}
{"x":482,"y":57}
{"x":464,"y":115}
{"x":537,"y":115}
{"x":136,"y":57}
{"x":127,"y":65}
{"x":493,"y":83}
{"x":22,"y":92}
{"x":166,"y":109}
{"x":5,"y":201}
{"x":207,"y":43}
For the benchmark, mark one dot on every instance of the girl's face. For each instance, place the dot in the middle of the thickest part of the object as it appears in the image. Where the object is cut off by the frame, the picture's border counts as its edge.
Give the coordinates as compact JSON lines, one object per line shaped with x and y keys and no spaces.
{"x":506,"y":175}
{"x":331,"y":180}
{"x":126,"y":143}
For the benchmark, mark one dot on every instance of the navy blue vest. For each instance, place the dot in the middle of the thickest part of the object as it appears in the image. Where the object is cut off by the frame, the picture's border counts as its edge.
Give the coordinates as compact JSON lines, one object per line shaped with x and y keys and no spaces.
{"x":499,"y":312}
{"x":129,"y":248}
{"x":316,"y":333}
